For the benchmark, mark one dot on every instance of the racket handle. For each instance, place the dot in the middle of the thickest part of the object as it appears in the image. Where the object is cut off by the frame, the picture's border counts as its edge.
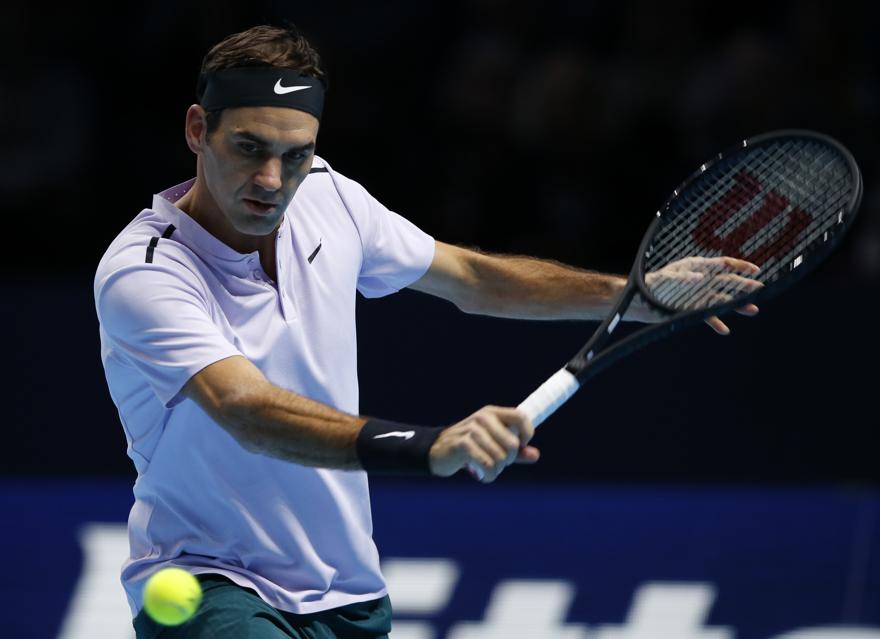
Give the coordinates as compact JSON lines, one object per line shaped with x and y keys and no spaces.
{"x":543,"y":402}
{"x":549,"y":396}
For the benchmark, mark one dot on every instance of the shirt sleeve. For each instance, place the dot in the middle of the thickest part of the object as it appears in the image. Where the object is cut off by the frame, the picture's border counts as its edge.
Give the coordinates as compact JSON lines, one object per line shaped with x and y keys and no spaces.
{"x":396,"y":251}
{"x":157,"y":319}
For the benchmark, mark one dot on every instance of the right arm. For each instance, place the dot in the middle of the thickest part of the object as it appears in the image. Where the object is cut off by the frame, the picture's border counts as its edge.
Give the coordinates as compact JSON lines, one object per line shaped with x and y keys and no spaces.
{"x":269,"y":420}
{"x":189,"y":358}
{"x":266,"y":419}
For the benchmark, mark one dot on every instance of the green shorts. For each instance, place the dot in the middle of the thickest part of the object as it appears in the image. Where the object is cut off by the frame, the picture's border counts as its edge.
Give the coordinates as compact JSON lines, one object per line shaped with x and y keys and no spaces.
{"x":229,"y":611}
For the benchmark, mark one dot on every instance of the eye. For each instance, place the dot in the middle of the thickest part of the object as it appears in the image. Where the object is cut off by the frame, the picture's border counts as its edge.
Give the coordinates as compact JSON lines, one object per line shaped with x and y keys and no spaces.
{"x":297,"y":157}
{"x":248,"y":147}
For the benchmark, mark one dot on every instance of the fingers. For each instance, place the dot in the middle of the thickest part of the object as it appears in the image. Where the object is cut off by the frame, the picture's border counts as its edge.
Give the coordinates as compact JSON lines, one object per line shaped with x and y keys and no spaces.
{"x":496,"y":442}
{"x":737,"y":282}
{"x":697,"y":281}
{"x":716,"y":264}
{"x":516,"y":421}
{"x":724,"y":263}
{"x":721,"y":328}
{"x":500,"y":434}
{"x":743,"y":266}
{"x":718,"y":326}
{"x":528,"y":455}
{"x":717,"y":280}
{"x":485,"y":443}
{"x":481,"y":464}
{"x":722,"y":288}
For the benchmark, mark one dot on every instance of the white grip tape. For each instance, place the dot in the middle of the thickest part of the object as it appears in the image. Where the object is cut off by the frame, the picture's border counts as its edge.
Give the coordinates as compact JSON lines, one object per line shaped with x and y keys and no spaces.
{"x":549,"y":396}
{"x":543,"y":402}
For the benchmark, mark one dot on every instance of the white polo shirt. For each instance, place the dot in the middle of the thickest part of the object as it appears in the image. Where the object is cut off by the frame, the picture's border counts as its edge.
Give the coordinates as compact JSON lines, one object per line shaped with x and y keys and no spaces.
{"x":172,"y":299}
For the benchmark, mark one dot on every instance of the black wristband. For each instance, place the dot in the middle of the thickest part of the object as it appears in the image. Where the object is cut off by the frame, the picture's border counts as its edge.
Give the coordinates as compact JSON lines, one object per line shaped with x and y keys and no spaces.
{"x":391,"y":448}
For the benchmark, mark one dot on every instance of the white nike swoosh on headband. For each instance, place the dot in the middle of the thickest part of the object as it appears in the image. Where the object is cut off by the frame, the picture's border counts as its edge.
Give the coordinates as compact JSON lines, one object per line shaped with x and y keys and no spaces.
{"x":281,"y":90}
{"x":397,"y":433}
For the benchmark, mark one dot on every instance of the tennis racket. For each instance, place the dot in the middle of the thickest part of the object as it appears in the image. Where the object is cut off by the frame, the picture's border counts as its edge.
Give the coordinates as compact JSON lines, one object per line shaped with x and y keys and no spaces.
{"x":779,"y":202}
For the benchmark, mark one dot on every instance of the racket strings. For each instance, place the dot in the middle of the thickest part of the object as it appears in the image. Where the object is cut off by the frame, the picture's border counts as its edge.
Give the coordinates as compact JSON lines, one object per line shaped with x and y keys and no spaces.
{"x":700,"y":196}
{"x":697,"y":200}
{"x":713,"y":288}
{"x":717,"y":284}
{"x":778,"y":230}
{"x":768,"y":203}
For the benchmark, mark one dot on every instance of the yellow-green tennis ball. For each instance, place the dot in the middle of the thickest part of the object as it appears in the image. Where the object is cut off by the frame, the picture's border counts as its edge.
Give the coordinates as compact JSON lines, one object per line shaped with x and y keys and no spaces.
{"x":171,"y":596}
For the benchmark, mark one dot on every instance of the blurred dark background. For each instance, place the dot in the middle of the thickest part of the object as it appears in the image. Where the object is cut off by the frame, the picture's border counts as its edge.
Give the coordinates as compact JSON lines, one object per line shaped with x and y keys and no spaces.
{"x":546,"y":128}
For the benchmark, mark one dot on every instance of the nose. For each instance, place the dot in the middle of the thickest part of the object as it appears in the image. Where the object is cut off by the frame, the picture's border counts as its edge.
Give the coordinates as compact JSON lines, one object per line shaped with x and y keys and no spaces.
{"x":269,"y":175}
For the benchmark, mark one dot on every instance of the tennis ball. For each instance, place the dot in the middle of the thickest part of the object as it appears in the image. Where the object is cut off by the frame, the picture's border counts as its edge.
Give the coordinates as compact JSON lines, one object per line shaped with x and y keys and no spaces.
{"x":171,"y":596}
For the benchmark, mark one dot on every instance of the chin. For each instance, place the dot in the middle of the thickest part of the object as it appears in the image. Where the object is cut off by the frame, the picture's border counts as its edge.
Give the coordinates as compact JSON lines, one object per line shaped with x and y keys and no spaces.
{"x":260,"y":227}
{"x":250,"y":224}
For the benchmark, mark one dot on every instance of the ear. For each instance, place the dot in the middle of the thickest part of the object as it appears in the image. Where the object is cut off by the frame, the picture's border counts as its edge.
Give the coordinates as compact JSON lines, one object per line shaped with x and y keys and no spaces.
{"x":196,"y":128}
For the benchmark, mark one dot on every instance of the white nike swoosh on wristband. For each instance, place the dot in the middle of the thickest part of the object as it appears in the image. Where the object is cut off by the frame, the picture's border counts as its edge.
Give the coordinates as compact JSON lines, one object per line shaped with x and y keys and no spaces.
{"x":397,"y":433}
{"x":281,"y":90}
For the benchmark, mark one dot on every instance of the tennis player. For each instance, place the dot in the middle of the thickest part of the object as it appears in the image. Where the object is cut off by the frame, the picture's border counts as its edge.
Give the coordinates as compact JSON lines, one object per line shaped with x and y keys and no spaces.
{"x":227,"y":327}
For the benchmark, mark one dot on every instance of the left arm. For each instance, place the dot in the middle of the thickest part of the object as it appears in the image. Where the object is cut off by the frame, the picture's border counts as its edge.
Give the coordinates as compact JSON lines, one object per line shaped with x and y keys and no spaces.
{"x":529,"y":288}
{"x":518,"y":287}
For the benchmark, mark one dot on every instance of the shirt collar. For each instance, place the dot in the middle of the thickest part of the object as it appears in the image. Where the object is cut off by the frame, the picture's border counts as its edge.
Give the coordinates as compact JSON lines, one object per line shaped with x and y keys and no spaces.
{"x":197,"y":237}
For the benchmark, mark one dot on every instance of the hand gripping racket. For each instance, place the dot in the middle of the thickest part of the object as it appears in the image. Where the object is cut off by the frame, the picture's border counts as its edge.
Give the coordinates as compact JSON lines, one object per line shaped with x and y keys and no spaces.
{"x":779,"y":201}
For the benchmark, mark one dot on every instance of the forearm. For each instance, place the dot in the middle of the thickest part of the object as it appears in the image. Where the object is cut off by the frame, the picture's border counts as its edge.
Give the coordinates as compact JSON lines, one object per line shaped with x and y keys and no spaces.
{"x":267,"y":419}
{"x":529,"y":288}
{"x":287,"y":426}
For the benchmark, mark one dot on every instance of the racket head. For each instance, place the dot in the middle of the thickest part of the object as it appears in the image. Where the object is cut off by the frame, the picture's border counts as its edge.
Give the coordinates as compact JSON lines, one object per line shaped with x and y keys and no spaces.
{"x":782,"y":200}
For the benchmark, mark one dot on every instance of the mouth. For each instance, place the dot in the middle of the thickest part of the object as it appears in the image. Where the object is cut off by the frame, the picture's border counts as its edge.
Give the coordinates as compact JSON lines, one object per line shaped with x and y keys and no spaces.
{"x":259,"y":207}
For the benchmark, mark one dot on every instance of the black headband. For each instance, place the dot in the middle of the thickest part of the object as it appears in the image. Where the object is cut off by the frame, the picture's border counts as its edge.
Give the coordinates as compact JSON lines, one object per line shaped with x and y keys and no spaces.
{"x":261,"y":86}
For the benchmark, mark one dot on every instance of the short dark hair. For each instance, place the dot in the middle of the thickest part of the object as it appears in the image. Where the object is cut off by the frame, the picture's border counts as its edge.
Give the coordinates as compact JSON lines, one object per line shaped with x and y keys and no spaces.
{"x":261,"y":46}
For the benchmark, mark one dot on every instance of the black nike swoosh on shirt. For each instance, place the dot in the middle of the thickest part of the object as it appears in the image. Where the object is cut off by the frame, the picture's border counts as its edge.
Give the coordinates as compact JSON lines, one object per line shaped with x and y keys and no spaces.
{"x":315,"y":252}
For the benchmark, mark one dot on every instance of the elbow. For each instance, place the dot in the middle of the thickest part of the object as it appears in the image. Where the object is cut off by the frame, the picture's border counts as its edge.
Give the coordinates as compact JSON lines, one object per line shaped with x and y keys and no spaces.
{"x":474,"y":302}
{"x":233,"y":393}
{"x":468,"y":306}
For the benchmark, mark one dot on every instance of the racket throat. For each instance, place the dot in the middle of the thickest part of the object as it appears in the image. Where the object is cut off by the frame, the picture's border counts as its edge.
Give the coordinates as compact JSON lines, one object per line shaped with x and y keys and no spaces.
{"x":584,"y":356}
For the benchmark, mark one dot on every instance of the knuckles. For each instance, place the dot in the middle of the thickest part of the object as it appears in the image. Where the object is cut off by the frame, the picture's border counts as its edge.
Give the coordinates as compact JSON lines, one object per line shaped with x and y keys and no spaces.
{"x":479,"y":441}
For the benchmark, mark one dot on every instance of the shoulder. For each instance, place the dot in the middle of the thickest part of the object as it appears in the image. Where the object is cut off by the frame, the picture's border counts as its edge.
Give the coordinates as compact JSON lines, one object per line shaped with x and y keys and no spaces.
{"x":319,"y":165}
{"x":322,"y":174}
{"x":133,"y":254}
{"x":326,"y":189}
{"x":354,"y":197}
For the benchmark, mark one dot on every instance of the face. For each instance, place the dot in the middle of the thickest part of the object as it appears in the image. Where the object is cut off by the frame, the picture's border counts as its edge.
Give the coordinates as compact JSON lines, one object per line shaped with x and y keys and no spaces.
{"x":253,"y":164}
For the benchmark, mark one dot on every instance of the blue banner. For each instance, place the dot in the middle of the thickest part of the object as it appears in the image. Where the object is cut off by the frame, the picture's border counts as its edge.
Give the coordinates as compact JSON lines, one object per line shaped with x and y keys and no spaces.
{"x":515,"y":560}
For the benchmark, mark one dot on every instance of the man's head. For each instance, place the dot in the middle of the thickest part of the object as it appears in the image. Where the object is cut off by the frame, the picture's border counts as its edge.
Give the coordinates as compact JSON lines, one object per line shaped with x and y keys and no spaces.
{"x":253,"y":135}
{"x":260,"y":46}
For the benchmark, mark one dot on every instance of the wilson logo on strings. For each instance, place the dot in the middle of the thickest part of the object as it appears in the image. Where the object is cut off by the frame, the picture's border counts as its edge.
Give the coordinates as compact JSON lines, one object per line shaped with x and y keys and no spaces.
{"x":745,"y":188}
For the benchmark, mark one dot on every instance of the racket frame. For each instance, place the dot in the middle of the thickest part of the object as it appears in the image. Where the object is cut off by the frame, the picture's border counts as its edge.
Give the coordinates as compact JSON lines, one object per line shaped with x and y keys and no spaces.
{"x":588,"y":361}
